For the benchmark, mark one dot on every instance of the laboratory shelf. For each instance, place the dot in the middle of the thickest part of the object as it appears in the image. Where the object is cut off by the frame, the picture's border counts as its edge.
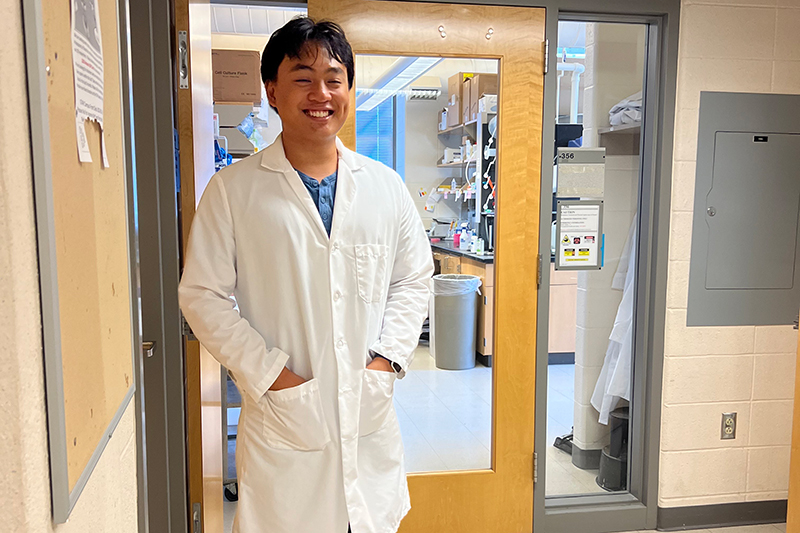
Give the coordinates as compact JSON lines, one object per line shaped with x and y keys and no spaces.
{"x":629,"y":129}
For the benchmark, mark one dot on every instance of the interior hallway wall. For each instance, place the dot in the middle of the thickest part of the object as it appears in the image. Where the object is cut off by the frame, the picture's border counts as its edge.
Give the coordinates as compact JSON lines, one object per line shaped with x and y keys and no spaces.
{"x":109,"y":501}
{"x":738,"y":46}
{"x":614,"y":70}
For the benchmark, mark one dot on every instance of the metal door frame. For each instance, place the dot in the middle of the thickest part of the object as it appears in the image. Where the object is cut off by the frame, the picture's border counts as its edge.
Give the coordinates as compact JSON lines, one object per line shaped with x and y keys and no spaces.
{"x":637,"y":508}
{"x":146,"y":62}
{"x":608,"y":512}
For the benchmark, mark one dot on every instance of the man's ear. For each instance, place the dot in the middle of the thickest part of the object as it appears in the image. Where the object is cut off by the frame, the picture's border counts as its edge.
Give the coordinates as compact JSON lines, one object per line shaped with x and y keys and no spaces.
{"x":269,"y":87}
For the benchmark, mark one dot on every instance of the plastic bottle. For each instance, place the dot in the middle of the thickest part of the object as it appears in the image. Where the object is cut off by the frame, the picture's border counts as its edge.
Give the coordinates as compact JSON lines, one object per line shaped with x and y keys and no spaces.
{"x":465,"y":239}
{"x":479,"y":247}
{"x":473,"y":242}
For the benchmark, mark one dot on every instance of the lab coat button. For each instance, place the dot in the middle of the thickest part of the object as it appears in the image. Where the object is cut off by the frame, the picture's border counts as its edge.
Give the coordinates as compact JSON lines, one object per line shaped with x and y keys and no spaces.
{"x":335,"y":246}
{"x":337,"y":295}
{"x":340,"y":344}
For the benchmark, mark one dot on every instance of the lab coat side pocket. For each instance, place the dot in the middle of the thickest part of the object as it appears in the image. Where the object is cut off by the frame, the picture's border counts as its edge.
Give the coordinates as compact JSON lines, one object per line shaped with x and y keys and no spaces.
{"x":294,"y":418}
{"x":371,"y":270}
{"x":376,"y":401}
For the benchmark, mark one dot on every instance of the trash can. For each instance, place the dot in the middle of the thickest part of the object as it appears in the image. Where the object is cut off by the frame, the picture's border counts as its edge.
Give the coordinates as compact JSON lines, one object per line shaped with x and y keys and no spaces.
{"x":455,"y":320}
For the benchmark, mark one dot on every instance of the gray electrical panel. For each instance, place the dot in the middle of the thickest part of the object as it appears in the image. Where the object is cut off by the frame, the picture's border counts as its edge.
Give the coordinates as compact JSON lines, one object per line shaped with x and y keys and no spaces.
{"x":746,"y":227}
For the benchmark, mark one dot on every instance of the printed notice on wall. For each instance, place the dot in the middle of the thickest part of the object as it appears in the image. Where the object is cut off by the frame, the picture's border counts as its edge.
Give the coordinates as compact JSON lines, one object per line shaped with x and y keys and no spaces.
{"x":87,"y":67}
{"x":579,"y":229}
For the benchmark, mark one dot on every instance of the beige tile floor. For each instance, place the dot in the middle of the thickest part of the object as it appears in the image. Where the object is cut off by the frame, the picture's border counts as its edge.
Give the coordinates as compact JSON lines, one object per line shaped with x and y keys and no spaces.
{"x":445,"y":416}
{"x":561,"y":476}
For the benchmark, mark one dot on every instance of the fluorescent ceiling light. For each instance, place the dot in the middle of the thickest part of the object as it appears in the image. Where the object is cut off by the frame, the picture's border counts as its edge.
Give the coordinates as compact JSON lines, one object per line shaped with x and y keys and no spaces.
{"x":396,"y":78}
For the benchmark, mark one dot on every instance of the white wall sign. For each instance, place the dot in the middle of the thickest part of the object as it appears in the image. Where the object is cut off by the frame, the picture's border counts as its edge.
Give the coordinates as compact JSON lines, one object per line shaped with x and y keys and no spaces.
{"x":579,"y":229}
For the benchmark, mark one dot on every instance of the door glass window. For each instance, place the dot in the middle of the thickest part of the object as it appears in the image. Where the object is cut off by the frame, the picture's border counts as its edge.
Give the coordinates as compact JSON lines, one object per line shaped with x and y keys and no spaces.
{"x":442,"y":133}
{"x":592,"y":310}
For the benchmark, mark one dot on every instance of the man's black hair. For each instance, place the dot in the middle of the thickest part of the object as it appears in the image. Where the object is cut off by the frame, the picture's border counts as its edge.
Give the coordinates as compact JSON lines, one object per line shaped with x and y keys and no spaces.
{"x":293,"y":40}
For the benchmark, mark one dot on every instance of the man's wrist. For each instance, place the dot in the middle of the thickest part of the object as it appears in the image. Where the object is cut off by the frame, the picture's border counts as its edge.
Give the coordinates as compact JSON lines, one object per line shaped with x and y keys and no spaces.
{"x":396,"y":368}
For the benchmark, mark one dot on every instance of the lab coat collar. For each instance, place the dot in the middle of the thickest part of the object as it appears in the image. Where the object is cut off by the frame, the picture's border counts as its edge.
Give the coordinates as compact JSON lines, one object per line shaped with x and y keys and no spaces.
{"x":274,"y":157}
{"x":348,"y":157}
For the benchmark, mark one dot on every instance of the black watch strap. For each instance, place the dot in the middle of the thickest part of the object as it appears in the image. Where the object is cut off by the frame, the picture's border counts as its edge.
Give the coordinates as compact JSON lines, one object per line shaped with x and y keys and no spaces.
{"x":395,"y":366}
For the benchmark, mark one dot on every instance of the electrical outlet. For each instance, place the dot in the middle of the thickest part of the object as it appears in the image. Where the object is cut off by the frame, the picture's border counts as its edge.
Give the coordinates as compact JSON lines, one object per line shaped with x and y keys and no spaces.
{"x":728,"y":426}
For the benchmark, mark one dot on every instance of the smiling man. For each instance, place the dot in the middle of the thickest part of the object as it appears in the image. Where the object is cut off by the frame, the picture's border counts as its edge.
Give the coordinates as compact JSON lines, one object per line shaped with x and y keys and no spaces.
{"x":326,"y":257}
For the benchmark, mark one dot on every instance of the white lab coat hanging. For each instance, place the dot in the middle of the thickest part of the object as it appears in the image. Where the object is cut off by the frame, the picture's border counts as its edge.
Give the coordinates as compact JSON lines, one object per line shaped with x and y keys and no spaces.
{"x":318,"y":456}
{"x":614,"y":383}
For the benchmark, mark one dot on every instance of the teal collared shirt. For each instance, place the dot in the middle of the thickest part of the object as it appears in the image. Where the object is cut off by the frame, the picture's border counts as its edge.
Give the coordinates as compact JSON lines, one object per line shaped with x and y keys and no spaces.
{"x":323,"y":193}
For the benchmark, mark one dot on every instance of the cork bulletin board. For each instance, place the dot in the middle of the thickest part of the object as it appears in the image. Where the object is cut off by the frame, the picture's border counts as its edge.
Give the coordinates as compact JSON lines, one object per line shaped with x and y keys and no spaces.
{"x":84,"y":243}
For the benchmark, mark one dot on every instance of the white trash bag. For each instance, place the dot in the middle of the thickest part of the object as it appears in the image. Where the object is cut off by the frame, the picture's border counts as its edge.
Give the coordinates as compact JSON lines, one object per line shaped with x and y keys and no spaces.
{"x":455,"y":284}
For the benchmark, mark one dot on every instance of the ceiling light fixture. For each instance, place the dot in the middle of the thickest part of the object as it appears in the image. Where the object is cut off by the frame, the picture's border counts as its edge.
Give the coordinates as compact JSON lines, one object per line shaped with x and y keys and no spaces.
{"x":396,"y":78}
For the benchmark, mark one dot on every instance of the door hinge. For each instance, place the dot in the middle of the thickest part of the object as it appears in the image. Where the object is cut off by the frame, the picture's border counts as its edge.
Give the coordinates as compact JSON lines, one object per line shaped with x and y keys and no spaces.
{"x":546,"y":55}
{"x":197,"y":522}
{"x":186,"y":329}
{"x":183,"y":60}
{"x":535,"y":468}
{"x":539,"y":271}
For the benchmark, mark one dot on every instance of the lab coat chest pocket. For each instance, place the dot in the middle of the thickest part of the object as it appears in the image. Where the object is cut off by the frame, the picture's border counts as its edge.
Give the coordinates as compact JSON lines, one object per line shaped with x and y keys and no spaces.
{"x":294,"y":418}
{"x":376,"y":400}
{"x":371,"y":269}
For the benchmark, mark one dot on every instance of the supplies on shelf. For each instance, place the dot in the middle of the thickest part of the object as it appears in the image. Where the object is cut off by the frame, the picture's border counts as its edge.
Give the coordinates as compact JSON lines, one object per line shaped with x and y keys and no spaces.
{"x":487,"y":103}
{"x":452,"y":155}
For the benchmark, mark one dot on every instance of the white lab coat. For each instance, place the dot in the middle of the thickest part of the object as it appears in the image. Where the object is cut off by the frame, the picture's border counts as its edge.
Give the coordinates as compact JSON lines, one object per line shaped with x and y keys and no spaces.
{"x":614,"y":383}
{"x":316,"y":457}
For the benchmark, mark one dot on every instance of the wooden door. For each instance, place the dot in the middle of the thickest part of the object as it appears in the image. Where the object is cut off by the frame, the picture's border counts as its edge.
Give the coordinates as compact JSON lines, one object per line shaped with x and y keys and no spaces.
{"x":500,"y":498}
{"x":203,"y":387}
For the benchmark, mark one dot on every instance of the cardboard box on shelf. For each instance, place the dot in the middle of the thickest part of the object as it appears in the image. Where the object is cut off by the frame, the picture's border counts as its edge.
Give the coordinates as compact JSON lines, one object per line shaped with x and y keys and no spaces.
{"x":237,"y":76}
{"x":457,"y":98}
{"x":465,"y":113}
{"x":480,"y":85}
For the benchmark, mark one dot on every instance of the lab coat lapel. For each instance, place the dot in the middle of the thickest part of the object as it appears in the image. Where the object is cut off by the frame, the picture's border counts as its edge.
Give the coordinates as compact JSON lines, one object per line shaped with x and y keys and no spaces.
{"x":345,"y":188}
{"x":274,"y":159}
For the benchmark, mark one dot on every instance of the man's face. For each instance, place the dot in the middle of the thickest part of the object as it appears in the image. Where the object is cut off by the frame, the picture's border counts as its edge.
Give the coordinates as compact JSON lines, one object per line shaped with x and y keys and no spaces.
{"x":311,"y":95}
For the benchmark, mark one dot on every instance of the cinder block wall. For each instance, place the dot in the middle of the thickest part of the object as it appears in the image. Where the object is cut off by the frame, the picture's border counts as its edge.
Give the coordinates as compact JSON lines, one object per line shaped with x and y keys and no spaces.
{"x":738,"y":46}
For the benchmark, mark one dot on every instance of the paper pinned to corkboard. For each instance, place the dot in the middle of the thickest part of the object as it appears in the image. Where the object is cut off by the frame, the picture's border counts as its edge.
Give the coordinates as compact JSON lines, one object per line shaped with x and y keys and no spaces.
{"x":87,"y":66}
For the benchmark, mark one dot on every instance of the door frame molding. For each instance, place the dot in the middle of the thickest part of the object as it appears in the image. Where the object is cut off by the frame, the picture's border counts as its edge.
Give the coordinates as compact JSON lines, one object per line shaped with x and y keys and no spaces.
{"x":637,"y":509}
{"x":148,"y":77}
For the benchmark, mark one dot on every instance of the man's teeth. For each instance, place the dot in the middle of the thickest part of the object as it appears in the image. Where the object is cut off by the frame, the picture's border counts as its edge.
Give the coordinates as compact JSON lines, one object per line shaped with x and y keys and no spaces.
{"x":319,"y":114}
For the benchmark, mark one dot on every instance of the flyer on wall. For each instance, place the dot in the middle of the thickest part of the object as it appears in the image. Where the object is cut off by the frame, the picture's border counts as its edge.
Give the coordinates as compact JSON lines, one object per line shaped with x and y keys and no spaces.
{"x":579,"y":226}
{"x":87,"y":69}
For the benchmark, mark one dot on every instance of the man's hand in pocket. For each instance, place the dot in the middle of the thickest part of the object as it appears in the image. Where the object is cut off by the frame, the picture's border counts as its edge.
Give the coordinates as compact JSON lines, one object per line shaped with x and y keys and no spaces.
{"x":286,"y":380}
{"x":379,"y":363}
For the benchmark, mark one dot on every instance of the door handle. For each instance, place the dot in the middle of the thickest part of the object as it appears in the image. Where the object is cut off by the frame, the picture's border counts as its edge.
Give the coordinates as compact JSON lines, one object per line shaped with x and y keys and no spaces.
{"x":149,"y":348}
{"x":183,"y":60}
